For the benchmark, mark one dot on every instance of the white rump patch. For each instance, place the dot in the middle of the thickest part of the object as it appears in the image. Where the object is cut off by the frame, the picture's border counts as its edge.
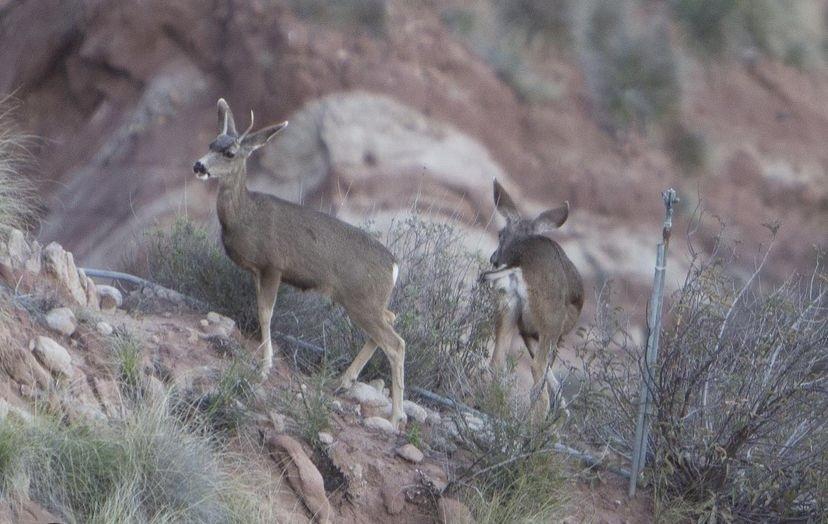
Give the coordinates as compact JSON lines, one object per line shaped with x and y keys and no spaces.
{"x":395,"y":272}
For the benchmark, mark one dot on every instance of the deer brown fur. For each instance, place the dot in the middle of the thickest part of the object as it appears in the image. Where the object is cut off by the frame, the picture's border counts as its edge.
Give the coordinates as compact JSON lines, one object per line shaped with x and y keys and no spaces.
{"x":544,"y":293}
{"x":279,"y":241}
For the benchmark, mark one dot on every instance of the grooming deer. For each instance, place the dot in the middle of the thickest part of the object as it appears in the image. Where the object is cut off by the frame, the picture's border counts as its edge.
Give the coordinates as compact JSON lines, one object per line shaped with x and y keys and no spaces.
{"x":279,"y":241}
{"x":544,"y":293}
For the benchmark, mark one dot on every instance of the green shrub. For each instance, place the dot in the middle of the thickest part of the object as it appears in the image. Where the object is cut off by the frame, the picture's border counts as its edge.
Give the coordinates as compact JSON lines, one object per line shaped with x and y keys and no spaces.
{"x":148,"y":467}
{"x":127,"y":354}
{"x":220,"y":403}
{"x":17,"y":195}
{"x":632,"y":77}
{"x":309,"y":405}
{"x":514,"y":475}
{"x":705,"y":22}
{"x":369,"y":14}
{"x":778,"y":28}
{"x":688,"y":149}
{"x":549,"y":18}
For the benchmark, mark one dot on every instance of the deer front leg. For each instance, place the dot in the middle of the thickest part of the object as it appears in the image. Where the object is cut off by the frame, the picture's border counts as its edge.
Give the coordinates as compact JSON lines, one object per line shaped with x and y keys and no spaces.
{"x":267,"y":287}
{"x":362,"y":358}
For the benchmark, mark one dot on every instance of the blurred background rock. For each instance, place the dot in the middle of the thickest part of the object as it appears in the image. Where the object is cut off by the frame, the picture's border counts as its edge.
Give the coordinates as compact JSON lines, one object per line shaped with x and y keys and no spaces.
{"x":396,"y":105}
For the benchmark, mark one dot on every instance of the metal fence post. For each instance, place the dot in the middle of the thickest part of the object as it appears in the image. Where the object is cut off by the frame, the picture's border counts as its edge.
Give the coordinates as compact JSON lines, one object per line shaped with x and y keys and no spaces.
{"x":642,"y":428}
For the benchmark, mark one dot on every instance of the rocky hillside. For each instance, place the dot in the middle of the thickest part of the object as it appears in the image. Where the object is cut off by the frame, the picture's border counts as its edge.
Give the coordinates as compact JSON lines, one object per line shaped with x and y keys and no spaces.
{"x":92,"y":357}
{"x":422,"y":103}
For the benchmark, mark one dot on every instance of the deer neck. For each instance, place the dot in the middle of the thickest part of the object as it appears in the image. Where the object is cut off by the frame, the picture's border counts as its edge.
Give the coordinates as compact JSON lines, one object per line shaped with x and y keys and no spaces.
{"x":232,"y":196}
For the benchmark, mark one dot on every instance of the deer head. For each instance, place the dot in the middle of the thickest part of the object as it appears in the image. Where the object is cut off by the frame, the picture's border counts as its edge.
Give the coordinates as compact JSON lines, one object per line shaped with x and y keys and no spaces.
{"x":518,"y":228}
{"x":229,"y":151}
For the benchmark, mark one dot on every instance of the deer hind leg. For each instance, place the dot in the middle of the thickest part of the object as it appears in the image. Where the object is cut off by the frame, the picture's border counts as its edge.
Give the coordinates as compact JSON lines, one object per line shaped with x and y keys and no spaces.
{"x":362,"y":358}
{"x":267,"y":287}
{"x":546,"y":384}
{"x":380,"y":330}
{"x":505,"y":329}
{"x":364,"y":355}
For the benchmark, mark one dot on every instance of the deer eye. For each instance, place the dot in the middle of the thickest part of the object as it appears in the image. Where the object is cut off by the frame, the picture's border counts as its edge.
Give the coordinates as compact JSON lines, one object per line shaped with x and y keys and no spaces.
{"x":229,"y":154}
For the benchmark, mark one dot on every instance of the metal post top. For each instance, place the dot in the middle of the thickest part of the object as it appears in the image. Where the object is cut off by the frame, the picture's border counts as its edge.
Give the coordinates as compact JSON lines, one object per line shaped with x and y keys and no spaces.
{"x":670,"y":197}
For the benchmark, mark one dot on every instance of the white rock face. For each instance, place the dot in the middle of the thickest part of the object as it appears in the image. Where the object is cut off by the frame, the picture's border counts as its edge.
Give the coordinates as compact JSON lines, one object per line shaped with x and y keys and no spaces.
{"x":410,"y":453}
{"x":62,"y":320}
{"x":110,"y":297}
{"x":104,"y":328}
{"x":380,"y":424}
{"x":53,"y":356}
{"x":367,"y":395}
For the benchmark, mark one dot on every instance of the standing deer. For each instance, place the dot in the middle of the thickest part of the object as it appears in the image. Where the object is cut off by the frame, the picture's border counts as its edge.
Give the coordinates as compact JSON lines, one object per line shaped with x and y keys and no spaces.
{"x":279,"y":241}
{"x":544,"y":292}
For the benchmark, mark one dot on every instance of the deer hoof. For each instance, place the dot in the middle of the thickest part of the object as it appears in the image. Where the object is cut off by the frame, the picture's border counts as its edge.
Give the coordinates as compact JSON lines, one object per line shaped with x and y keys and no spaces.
{"x":345,"y":384}
{"x":265,"y":371}
{"x":399,"y":421}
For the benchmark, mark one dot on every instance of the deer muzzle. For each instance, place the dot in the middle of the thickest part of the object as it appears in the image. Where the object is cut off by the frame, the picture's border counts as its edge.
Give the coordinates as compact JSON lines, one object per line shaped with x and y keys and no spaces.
{"x":200,"y":171}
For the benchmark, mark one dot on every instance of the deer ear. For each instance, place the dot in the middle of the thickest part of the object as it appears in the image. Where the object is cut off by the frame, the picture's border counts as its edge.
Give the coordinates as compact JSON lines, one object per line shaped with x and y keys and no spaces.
{"x":254,"y":141}
{"x":227,"y":125}
{"x":504,"y":204}
{"x":551,"y":219}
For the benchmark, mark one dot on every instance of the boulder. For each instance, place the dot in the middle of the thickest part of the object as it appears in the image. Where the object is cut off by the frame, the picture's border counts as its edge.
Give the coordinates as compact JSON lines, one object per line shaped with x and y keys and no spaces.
{"x":451,"y":511}
{"x":62,"y":320}
{"x":53,"y":356}
{"x":60,"y":265}
{"x":110,"y":297}
{"x":104,"y":328}
{"x":303,"y":476}
{"x":415,"y":411}
{"x":410,"y":453}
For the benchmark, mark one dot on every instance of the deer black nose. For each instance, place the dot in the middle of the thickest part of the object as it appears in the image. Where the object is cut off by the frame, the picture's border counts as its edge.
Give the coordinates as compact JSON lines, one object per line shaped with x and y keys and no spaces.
{"x":198,"y":167}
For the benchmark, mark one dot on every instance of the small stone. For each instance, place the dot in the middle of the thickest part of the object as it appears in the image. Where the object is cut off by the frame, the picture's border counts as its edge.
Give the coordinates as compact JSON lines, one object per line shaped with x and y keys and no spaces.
{"x":204,"y":323}
{"x":415,"y":411}
{"x":278,"y":421}
{"x":365,"y":394}
{"x":326,"y":438}
{"x":167,"y":314}
{"x":410,"y":453}
{"x":433,"y":418}
{"x":380,"y":424}
{"x":336,"y":406}
{"x":220,"y":320}
{"x":377,"y":384}
{"x":104,"y":328}
{"x":62,"y":320}
{"x":356,"y":472}
{"x":155,"y":339}
{"x":53,"y":356}
{"x":110,"y":297}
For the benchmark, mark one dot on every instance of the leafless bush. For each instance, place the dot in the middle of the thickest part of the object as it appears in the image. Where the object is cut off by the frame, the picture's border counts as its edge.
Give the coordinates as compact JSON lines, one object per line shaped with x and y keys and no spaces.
{"x":740,"y":396}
